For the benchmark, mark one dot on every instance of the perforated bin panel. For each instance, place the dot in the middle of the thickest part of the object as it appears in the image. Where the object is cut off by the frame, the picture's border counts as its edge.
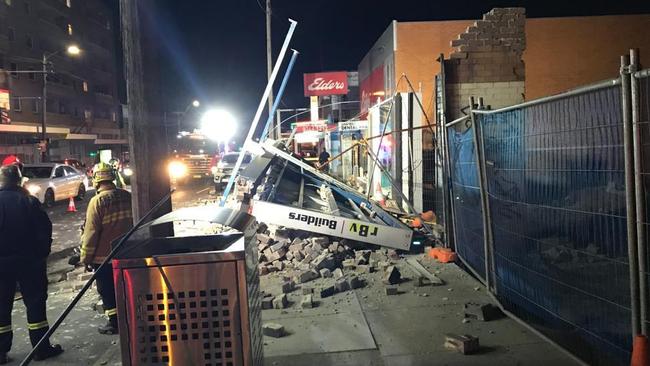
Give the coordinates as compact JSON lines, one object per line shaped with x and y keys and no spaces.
{"x":191,"y":317}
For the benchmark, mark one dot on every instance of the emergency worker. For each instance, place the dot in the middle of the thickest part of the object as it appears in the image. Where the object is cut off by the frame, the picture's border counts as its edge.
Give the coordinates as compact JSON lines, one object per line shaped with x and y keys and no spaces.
{"x":25,"y":243}
{"x":108,"y":218}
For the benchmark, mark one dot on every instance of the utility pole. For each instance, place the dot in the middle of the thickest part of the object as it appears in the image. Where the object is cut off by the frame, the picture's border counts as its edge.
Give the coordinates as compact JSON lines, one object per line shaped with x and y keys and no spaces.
{"x":44,"y":145}
{"x":269,"y":59}
{"x":145,"y":124}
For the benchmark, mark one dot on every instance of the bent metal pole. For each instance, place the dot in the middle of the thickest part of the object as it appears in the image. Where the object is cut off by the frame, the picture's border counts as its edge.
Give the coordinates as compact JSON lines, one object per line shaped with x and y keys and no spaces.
{"x":89,"y":283}
{"x":278,"y":97}
{"x":258,"y":113}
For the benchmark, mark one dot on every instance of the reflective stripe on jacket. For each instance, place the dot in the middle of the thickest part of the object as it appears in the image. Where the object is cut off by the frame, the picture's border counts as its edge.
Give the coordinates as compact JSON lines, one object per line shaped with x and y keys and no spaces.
{"x":109,"y":216}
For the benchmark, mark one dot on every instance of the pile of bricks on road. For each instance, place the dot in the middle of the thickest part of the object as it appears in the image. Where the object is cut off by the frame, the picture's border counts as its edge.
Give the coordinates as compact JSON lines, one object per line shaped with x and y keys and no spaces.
{"x":302,"y":257}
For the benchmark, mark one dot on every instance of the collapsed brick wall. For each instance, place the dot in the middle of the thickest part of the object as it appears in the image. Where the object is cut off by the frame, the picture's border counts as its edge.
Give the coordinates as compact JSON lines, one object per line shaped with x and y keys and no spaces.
{"x":487,"y":62}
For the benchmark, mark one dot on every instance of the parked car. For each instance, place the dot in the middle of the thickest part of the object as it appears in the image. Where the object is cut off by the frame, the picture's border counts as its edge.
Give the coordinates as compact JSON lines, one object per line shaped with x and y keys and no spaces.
{"x":222,"y":172}
{"x":51,"y":182}
{"x":77,"y":164}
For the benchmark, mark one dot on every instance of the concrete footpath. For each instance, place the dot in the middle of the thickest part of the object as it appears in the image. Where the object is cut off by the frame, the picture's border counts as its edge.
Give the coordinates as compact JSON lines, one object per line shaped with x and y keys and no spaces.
{"x":360,"y":327}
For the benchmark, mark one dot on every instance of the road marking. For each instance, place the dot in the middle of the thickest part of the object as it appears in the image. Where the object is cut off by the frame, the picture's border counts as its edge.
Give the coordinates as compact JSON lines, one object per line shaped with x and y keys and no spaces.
{"x":203,"y":190}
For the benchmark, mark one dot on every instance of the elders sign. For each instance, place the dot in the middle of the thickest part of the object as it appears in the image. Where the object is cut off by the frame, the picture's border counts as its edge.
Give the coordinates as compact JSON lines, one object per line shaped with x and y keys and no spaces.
{"x":326,"y":83}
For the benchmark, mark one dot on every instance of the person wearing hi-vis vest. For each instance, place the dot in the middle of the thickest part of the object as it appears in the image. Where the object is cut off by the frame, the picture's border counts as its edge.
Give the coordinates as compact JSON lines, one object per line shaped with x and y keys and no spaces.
{"x":108,"y":217}
{"x":25,"y":243}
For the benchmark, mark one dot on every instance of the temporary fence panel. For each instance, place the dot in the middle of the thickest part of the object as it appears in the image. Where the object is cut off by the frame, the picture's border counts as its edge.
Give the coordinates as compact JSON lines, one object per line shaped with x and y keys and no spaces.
{"x":466,"y":197}
{"x":556,"y":188}
{"x":641,"y":101}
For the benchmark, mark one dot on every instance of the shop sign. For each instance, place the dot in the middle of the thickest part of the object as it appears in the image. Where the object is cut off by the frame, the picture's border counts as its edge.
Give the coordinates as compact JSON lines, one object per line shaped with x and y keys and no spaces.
{"x":325,"y":83}
{"x":372,"y":89}
{"x":317,"y":126}
{"x":353,"y":125}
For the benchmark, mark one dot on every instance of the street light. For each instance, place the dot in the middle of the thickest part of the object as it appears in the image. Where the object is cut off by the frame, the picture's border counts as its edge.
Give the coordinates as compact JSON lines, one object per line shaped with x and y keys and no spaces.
{"x":218,"y":125}
{"x":72,"y":50}
{"x":196,"y":104}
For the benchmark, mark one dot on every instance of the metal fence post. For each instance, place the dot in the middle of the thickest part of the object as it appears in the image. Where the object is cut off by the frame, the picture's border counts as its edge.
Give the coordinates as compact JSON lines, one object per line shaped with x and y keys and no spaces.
{"x":639,"y":192}
{"x":485,"y":205}
{"x":629,"y":195}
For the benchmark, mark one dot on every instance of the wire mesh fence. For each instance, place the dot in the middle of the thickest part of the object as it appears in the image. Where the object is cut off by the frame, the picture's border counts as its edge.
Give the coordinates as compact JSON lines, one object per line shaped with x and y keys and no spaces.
{"x":466,"y":197}
{"x":643,"y":124}
{"x":555,"y":183}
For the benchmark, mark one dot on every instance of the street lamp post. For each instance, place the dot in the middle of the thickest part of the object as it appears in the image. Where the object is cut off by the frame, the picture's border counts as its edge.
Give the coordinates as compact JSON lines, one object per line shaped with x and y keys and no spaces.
{"x":71,"y":50}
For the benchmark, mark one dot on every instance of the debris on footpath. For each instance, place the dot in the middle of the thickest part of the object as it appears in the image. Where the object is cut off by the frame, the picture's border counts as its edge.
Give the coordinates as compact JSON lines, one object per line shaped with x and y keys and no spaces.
{"x":273,"y":330}
{"x":482,"y":312}
{"x":464,"y":344}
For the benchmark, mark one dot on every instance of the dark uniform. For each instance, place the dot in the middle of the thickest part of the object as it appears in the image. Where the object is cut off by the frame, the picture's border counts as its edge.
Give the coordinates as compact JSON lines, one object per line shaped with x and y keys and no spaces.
{"x":25,"y":241}
{"x":109,"y":216}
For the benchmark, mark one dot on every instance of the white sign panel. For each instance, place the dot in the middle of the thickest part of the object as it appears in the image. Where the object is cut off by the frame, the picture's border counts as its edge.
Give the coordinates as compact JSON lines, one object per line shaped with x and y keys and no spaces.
{"x":353,"y":126}
{"x":299,"y":219}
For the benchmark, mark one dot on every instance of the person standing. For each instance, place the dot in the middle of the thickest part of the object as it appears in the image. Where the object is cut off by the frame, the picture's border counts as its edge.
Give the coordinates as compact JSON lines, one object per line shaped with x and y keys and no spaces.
{"x":26,"y":239}
{"x":109,"y":216}
{"x":323,"y":161}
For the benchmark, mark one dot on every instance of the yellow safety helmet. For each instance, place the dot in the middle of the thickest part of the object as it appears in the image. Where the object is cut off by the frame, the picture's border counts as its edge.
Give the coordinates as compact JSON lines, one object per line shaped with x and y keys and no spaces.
{"x":103,"y":172}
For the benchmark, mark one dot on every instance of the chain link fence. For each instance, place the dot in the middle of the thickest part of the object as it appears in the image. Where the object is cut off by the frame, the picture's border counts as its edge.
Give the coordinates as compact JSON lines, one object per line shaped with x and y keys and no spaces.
{"x":550,"y":214}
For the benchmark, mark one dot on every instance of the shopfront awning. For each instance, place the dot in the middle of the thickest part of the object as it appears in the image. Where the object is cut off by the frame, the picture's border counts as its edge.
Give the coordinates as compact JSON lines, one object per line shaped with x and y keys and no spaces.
{"x":32,"y":128}
{"x":111,"y":142}
{"x":80,"y":136}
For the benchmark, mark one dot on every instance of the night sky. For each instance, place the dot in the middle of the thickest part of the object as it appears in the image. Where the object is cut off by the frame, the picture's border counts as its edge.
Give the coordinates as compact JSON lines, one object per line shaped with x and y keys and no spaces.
{"x":215,"y":49}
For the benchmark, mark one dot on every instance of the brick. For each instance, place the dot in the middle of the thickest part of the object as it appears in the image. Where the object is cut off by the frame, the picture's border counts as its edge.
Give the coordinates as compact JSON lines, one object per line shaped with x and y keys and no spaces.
{"x":323,"y":241}
{"x":267,"y":303}
{"x":355,"y":282}
{"x":274,"y":255}
{"x":307,"y":301}
{"x":364,"y":269}
{"x":263,"y":270}
{"x":392,"y":276}
{"x":264,"y":239}
{"x":458,"y":55}
{"x":465,"y":344}
{"x":325,"y":260}
{"x":334,"y":247}
{"x":458,"y":42}
{"x":327,"y":292}
{"x":84,"y":276}
{"x":341,"y":285}
{"x":261,"y":228}
{"x":391,"y":291}
{"x":273,"y":330}
{"x":279,"y":265}
{"x":307,"y":276}
{"x":279,"y":245}
{"x":348,"y":264}
{"x":467,"y":36}
{"x":298,"y":256}
{"x":483,"y":312}
{"x":288,"y":286}
{"x":307,"y":290}
{"x":338,"y":273}
{"x":325,"y":273}
{"x":280,"y":302}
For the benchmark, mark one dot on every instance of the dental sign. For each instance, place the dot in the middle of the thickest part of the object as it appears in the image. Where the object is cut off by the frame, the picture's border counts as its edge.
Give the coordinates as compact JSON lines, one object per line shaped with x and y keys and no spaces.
{"x":326,"y":83}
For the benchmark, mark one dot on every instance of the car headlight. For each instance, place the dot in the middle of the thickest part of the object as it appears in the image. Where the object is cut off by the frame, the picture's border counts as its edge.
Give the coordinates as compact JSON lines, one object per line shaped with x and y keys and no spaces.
{"x":214,"y":170}
{"x":177,"y":169}
{"x":128,"y":172}
{"x":33,"y":189}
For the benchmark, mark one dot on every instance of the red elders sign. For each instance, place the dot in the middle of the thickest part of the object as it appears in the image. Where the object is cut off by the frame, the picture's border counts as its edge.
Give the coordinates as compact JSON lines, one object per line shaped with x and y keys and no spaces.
{"x":326,"y":83}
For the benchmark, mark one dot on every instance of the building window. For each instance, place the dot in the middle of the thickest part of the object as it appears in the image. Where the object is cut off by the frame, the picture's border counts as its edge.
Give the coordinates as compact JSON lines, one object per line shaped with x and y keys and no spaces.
{"x":85,"y":86}
{"x":30,"y":42}
{"x":35,"y":105}
{"x":68,"y":3}
{"x":27,"y":8}
{"x":114,"y":117}
{"x":88,"y":114}
{"x":69,"y":29}
{"x":11,"y":34}
{"x":16,"y":105}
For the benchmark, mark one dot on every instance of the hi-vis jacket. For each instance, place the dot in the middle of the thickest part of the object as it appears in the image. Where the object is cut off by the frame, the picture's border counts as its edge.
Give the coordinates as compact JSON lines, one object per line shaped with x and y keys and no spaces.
{"x":108,"y":217}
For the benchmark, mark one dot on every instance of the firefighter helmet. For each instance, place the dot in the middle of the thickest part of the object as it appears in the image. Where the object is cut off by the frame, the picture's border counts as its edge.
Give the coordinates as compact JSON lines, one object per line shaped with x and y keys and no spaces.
{"x":103,"y":172}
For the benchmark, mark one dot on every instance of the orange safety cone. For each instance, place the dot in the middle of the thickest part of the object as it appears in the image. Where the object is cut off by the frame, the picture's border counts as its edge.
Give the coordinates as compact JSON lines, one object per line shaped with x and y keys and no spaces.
{"x":71,"y":206}
{"x":640,"y":355}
